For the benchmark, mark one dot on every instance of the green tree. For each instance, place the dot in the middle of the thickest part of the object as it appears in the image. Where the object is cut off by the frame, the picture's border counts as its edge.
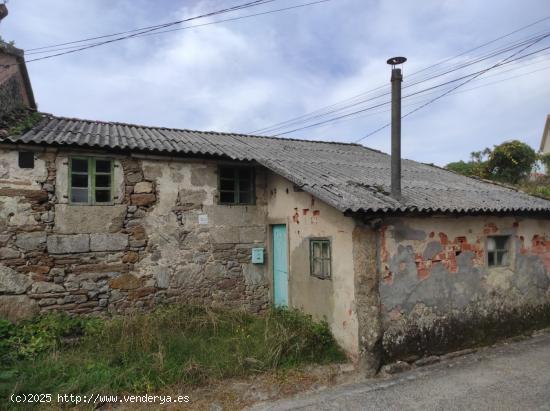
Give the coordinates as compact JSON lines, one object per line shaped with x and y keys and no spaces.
{"x":463,"y":167}
{"x":510,"y":162}
{"x":473,"y":168}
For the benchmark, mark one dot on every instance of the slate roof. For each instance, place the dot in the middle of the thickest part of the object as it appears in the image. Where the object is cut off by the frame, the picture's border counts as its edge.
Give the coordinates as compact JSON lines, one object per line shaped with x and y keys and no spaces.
{"x":349,"y":177}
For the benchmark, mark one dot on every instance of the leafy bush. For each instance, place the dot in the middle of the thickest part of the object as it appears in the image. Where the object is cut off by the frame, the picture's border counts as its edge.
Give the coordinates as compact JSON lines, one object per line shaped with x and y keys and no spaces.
{"x":144,"y":352}
{"x":511,"y":162}
{"x":476,"y":167}
{"x":469,"y":169}
{"x":45,"y":333}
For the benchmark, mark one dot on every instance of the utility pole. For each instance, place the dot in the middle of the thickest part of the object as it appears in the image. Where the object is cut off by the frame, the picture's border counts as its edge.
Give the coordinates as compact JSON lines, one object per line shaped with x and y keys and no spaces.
{"x":396,"y":80}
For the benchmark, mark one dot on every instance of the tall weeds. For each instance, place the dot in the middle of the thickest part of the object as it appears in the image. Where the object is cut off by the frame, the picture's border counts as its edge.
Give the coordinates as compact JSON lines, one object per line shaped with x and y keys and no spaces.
{"x":143,"y":352}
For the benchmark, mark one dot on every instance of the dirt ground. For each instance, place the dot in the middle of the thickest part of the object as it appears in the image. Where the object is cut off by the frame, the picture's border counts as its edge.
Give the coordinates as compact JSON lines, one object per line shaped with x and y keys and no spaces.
{"x":239,"y":393}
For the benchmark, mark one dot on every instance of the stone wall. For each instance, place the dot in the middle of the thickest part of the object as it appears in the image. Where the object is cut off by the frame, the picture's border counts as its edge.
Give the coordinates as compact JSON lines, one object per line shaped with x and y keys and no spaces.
{"x":13,"y":93}
{"x":438,"y":293}
{"x":10,"y":95}
{"x":146,"y":248}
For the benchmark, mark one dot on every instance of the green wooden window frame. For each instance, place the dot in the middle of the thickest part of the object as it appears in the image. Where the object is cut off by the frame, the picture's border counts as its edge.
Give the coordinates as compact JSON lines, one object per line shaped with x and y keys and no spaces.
{"x":91,"y":181}
{"x":236,"y":185}
{"x":320,"y":258}
{"x":498,"y":250}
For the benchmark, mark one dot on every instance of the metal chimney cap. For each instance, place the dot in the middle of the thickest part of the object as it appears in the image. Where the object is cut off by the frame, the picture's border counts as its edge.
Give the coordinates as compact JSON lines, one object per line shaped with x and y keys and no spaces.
{"x":396,"y":60}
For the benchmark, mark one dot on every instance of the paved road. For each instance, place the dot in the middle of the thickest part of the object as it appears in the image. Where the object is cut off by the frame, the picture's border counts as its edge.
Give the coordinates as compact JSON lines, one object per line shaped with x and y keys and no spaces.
{"x":514,"y":376}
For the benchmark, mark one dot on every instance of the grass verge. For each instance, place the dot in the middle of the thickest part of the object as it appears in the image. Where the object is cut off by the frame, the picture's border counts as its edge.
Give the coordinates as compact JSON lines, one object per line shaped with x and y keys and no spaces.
{"x":145,"y":352}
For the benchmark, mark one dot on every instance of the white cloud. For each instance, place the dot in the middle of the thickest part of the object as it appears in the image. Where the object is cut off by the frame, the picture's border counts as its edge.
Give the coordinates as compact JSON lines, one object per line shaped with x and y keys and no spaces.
{"x":245,"y":75}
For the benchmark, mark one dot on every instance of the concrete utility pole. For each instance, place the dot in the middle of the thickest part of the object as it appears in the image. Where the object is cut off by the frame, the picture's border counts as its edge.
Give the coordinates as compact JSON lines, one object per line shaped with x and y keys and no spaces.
{"x":396,"y":79}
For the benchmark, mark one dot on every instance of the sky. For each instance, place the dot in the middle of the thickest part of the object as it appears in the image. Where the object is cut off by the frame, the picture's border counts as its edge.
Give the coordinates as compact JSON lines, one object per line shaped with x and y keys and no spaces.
{"x":249,"y":74}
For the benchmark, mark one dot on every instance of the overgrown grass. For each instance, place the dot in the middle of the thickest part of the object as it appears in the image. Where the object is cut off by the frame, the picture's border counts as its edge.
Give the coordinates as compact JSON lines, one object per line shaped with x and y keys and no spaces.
{"x":25,"y":124}
{"x":540,"y":188}
{"x":145,"y":352}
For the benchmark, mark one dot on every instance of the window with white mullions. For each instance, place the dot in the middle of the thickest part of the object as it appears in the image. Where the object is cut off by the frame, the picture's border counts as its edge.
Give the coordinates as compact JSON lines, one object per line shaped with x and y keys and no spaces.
{"x":90,"y":180}
{"x":498,"y":250}
{"x":320,"y":258}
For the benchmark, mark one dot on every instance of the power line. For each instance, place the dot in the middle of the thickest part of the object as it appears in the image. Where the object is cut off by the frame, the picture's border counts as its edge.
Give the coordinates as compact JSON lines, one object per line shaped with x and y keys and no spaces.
{"x":153,"y":28}
{"x":250,"y":4}
{"x":375,"y":113}
{"x":154,"y":33}
{"x":507,"y":59}
{"x":324,"y":113}
{"x":335,"y":105}
{"x":474,"y":74}
{"x":329,"y":112}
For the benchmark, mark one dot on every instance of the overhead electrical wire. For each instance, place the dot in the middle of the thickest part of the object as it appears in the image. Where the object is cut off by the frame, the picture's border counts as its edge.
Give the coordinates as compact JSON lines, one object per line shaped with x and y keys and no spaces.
{"x":333,"y":107}
{"x":351,"y":105}
{"x":474,"y":74}
{"x":157,"y":26}
{"x":502,"y":62}
{"x":423,"y":100}
{"x":153,"y":28}
{"x":310,"y":117}
{"x":154,"y":33}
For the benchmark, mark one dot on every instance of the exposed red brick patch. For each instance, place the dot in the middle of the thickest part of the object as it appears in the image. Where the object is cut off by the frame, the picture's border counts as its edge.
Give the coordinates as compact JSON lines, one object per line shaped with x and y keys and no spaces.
{"x":316,"y":213}
{"x":448,"y":256}
{"x":490,"y":228}
{"x":305,"y":210}
{"x":540,"y":246}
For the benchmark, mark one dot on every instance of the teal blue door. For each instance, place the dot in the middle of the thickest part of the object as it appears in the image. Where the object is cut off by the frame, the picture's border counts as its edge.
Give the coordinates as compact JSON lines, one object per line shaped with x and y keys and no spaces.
{"x":280,"y":268}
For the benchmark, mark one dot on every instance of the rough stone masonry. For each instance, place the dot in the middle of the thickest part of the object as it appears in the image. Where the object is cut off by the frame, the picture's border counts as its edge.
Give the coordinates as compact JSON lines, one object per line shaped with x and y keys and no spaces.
{"x":146,"y":248}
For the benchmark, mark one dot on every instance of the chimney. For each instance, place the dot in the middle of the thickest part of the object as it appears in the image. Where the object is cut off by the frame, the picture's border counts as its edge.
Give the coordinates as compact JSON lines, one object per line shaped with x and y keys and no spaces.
{"x":396,"y":79}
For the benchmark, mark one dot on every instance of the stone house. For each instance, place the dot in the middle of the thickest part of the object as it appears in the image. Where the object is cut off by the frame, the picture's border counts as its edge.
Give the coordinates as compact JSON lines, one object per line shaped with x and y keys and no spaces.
{"x":109,"y":217}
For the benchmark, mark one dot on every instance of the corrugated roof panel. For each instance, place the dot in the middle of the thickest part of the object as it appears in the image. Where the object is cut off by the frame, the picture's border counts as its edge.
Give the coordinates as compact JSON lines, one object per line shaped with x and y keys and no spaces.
{"x":346,"y":176}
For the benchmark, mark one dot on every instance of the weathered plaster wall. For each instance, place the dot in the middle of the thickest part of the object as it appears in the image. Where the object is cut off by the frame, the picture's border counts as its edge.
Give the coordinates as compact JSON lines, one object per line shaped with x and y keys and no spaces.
{"x":147,"y":247}
{"x":367,"y":297}
{"x":436,"y":288}
{"x":14,"y":177}
{"x":332,"y":299}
